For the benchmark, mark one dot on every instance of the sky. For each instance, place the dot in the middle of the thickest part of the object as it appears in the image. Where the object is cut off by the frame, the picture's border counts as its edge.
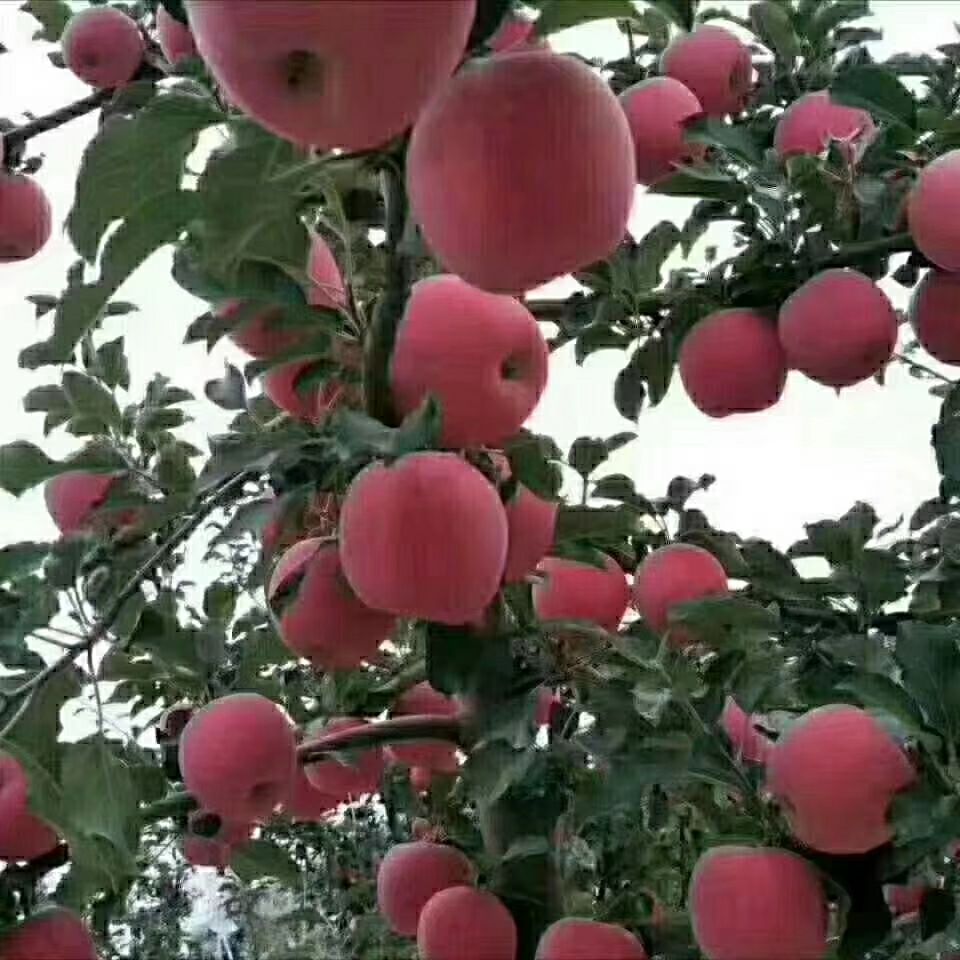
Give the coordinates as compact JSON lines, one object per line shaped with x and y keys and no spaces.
{"x":809,"y":457}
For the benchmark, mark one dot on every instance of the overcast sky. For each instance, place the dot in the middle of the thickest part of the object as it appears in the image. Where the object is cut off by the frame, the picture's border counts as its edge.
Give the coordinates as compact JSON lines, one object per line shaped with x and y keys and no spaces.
{"x":809,"y":457}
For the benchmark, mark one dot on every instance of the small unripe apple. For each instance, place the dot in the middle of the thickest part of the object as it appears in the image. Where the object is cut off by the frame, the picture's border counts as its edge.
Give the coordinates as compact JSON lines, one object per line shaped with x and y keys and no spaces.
{"x":25,"y":217}
{"x":102,"y":46}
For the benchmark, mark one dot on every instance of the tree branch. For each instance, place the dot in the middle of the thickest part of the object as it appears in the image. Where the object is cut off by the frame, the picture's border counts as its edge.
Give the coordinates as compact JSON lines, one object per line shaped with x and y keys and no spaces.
{"x":20,"y":135}
{"x":394,"y":730}
{"x":103,"y":625}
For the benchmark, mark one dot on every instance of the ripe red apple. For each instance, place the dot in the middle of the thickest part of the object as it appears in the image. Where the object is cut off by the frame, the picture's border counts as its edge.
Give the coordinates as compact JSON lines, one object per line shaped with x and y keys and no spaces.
{"x":935,"y":315}
{"x":49,"y":934}
{"x":757,"y":903}
{"x":714,"y":65}
{"x":351,"y":779}
{"x":23,"y":836}
{"x":838,"y":328}
{"x":463,"y":923}
{"x":263,"y":334}
{"x":905,"y":900}
{"x":410,"y":874}
{"x":73,"y":498}
{"x":307,"y":804}
{"x":423,"y":700}
{"x":935,"y":231}
{"x":420,"y":780}
{"x":532,"y":527}
{"x":482,"y":355}
{"x":835,"y":772}
{"x":491,"y":208}
{"x":327,"y":288}
{"x":325,"y":622}
{"x":571,"y":590}
{"x":812,"y":121}
{"x":175,"y":39}
{"x":573,"y":939}
{"x":425,"y":537}
{"x":657,"y":110}
{"x":748,"y":743}
{"x":330,"y":73}
{"x":286,"y":388}
{"x":102,"y":46}
{"x":25,"y":217}
{"x":238,"y":757}
{"x":675,"y":574}
{"x":732,"y":362}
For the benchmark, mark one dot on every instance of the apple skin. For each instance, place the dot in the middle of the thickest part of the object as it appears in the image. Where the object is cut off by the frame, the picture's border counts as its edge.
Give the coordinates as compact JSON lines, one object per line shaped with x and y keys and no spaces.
{"x":657,"y":110}
{"x":429,"y":757}
{"x":835,"y":771}
{"x":102,"y":46}
{"x":574,"y":939}
{"x":491,"y":209}
{"x":732,"y":362}
{"x":756,"y":903}
{"x":749,"y":744}
{"x":811,"y":122}
{"x":315,"y":71}
{"x":23,"y":836}
{"x":410,"y":874}
{"x":463,"y":923}
{"x":175,"y":38}
{"x":532,"y":526}
{"x":73,"y":498}
{"x":307,"y":804}
{"x":714,"y":65}
{"x":481,"y":354}
{"x":26,"y":219}
{"x":425,"y":538}
{"x":935,"y":315}
{"x":50,"y":934}
{"x":238,"y":757}
{"x":578,"y":591}
{"x":934,"y":228}
{"x":838,"y":328}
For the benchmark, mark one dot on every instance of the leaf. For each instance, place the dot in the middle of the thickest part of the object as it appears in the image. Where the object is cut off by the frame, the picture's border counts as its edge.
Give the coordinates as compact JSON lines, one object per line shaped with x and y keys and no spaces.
{"x":735,"y":139}
{"x":606,"y":524}
{"x":630,"y":390}
{"x":720,"y":621}
{"x":131,"y":160}
{"x":155,"y":223}
{"x":696,"y":182}
{"x":20,"y":559}
{"x":878,"y":692}
{"x":681,"y":12}
{"x":771,"y":22}
{"x":53,"y":16}
{"x":558,"y":15}
{"x":261,"y":858}
{"x":88,"y":398}
{"x":930,"y":660}
{"x":877,"y":90}
{"x":586,"y":454}
{"x":651,"y":253}
{"x":111,"y":364}
{"x":22,"y":466}
{"x":492,"y":769}
{"x":230,"y":391}
{"x":46,"y":399}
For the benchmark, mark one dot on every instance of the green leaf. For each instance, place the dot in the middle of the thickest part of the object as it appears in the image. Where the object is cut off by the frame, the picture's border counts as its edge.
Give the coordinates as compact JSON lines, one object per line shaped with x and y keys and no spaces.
{"x":23,"y":465}
{"x":771,"y":23}
{"x":88,"y":398}
{"x":877,"y":90}
{"x":878,"y":692}
{"x":630,"y":390}
{"x":723,"y":621}
{"x":133,"y":159}
{"x":261,"y":858}
{"x":53,"y":16}
{"x":230,"y":391}
{"x":558,"y":15}
{"x":651,"y":253}
{"x":49,"y":398}
{"x":930,"y":660}
{"x":696,"y":182}
{"x":155,"y":223}
{"x":586,"y":454}
{"x":492,"y":769}
{"x":681,"y":12}
{"x":735,"y":139}
{"x":20,"y":559}
{"x":111,"y":364}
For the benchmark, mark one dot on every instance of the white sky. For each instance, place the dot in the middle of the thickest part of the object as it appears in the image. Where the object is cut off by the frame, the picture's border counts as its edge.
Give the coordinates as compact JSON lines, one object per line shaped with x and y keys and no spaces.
{"x":810,"y":457}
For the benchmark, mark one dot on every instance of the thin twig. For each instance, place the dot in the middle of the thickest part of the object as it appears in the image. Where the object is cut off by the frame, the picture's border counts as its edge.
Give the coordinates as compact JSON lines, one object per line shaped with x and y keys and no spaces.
{"x":395,"y":730}
{"x":907,"y":361}
{"x":51,"y":121}
{"x":103,"y":625}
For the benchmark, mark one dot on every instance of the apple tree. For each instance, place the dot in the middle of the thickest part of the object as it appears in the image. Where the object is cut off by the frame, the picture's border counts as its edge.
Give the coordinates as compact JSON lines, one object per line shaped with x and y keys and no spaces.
{"x":416,"y":681}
